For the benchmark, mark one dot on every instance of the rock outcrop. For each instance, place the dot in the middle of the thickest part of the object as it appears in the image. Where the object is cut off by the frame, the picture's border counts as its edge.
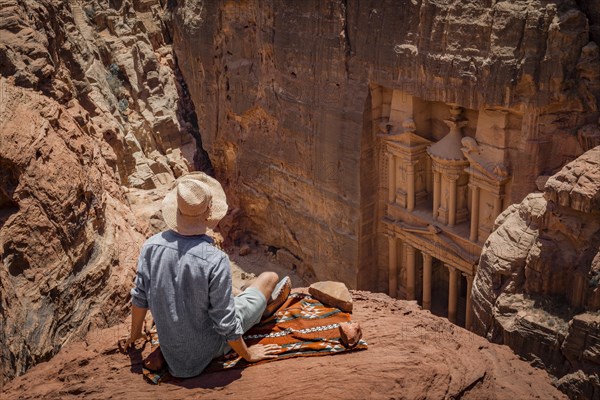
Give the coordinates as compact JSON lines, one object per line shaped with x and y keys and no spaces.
{"x":67,"y":236}
{"x":92,"y":111}
{"x":335,"y":294}
{"x":286,"y":94}
{"x":537,"y":287}
{"x":412,"y":354}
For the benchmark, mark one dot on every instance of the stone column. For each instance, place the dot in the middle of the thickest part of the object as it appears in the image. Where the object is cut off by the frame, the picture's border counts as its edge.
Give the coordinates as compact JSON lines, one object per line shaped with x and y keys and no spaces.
{"x":437,"y":188}
{"x":452,"y":203}
{"x":426,"y":281}
{"x":410,"y":187}
{"x":452,"y":293}
{"x":428,"y":173}
{"x":469,"y":306}
{"x":410,"y":272}
{"x":474,"y":213}
{"x":393,"y":266}
{"x":497,"y":206}
{"x":391,"y":177}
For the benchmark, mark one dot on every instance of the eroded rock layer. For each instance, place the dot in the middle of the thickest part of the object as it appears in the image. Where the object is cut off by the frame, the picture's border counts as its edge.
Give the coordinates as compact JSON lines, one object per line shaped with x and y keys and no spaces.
{"x":64,"y":234}
{"x":92,"y":112}
{"x":537,"y":286}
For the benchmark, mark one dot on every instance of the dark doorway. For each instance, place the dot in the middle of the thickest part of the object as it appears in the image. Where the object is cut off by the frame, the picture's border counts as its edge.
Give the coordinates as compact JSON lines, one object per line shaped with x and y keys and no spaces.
{"x":439,"y":289}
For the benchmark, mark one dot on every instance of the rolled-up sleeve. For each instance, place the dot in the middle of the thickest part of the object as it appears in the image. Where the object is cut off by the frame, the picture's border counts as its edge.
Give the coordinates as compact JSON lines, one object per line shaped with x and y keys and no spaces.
{"x":138,"y":293}
{"x":222,"y":305}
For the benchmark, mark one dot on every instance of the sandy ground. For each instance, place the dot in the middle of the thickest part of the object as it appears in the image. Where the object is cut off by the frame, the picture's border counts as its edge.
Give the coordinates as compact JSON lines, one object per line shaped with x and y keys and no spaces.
{"x":246,"y":268}
{"x":412,"y":355}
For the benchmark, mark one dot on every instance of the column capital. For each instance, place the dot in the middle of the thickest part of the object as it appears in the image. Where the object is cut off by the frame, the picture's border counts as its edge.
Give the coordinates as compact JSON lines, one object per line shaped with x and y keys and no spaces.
{"x":426,"y":256}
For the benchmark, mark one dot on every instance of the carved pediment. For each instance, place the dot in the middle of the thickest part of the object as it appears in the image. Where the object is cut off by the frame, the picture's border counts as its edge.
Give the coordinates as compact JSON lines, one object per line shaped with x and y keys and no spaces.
{"x":409,"y":139}
{"x":438,"y":243}
{"x":405,"y":136}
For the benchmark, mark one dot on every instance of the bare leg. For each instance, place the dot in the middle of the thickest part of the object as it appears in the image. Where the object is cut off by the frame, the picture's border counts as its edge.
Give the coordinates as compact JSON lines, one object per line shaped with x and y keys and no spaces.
{"x":266,"y":283}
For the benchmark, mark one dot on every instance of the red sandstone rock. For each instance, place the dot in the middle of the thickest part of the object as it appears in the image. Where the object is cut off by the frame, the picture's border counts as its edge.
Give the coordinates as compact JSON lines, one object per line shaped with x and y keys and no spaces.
{"x":350,"y":333}
{"x":412,"y":354}
{"x":68,"y":240}
{"x":285,"y":128}
{"x":292,"y":128}
{"x":334,"y":294}
{"x":537,"y":287}
{"x":103,"y":110}
{"x":577,"y":185}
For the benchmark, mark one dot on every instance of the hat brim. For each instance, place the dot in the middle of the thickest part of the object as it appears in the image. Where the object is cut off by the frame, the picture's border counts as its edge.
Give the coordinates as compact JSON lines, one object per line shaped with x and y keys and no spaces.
{"x":189,"y":226}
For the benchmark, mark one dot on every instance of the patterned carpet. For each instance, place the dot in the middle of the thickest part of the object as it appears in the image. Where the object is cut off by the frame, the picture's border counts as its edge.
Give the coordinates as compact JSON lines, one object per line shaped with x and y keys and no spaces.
{"x":302,"y":327}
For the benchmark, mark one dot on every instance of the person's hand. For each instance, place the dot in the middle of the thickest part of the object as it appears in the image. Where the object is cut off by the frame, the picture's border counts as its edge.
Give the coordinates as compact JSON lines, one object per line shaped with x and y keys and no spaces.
{"x":124,"y":344}
{"x":262,"y":352}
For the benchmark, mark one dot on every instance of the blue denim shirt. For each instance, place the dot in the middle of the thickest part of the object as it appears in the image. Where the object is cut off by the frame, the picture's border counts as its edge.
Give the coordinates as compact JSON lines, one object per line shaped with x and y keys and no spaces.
{"x":185,"y":281}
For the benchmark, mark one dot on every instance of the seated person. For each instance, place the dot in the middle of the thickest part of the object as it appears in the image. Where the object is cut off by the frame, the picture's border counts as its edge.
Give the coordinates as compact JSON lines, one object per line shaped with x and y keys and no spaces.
{"x":186,"y":283}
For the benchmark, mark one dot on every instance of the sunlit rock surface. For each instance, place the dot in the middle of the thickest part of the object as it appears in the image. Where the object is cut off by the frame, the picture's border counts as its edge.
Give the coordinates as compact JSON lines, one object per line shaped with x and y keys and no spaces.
{"x":91,"y":107}
{"x":286,"y":93}
{"x":537,"y":287}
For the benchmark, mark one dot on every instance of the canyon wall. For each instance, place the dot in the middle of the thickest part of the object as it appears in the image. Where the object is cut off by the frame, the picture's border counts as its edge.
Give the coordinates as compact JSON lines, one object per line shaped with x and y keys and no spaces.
{"x":98,"y":116}
{"x":94,"y":119}
{"x":538,"y":283}
{"x":289,"y":95}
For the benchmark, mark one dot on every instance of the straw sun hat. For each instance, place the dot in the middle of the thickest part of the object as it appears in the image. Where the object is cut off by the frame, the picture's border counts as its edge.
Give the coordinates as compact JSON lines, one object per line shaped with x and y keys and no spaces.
{"x":197,"y":202}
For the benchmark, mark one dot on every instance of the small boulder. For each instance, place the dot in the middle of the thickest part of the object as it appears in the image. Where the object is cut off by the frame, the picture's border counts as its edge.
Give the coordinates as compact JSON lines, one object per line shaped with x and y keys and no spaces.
{"x":334,"y":294}
{"x":350,"y":334}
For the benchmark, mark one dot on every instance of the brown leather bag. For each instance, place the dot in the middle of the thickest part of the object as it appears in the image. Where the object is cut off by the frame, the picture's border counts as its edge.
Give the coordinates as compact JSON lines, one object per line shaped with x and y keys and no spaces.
{"x":155,"y":360}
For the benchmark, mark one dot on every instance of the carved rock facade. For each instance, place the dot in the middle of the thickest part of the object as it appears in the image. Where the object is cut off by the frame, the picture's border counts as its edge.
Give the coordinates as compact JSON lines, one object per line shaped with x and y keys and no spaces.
{"x":300,"y":106}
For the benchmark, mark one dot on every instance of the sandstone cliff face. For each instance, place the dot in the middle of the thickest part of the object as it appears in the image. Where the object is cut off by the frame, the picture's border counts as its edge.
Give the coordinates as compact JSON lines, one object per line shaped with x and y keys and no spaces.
{"x":92,"y":111}
{"x":64,"y":225}
{"x":284,"y":94}
{"x":114,"y":61}
{"x":537,"y":286}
